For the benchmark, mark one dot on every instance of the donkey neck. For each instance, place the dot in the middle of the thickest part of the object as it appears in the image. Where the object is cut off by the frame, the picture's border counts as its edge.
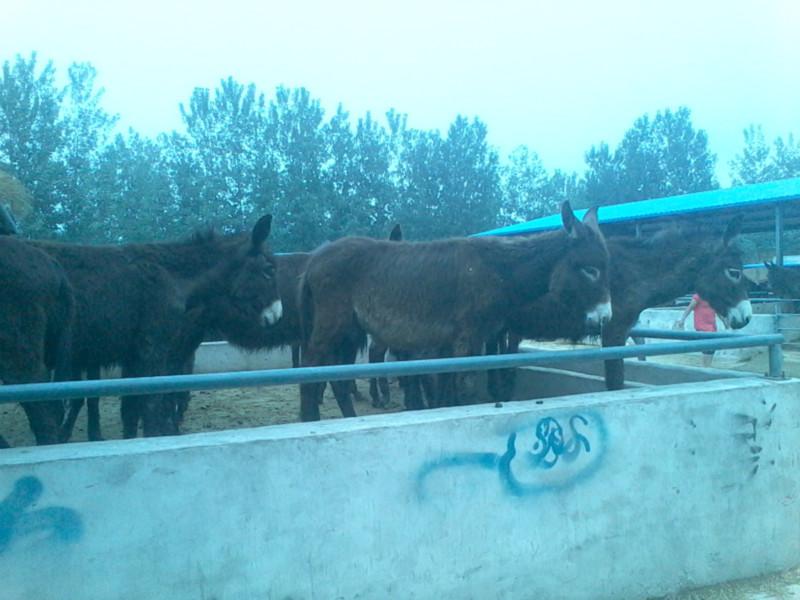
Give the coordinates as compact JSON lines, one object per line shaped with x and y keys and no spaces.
{"x":190,"y":259}
{"x":655,"y":271}
{"x":524,"y":264}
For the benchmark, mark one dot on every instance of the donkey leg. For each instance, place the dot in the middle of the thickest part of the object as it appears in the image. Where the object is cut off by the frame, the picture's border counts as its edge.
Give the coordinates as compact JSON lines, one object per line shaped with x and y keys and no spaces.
{"x":378,"y":386}
{"x":615,"y":369}
{"x":412,"y":392}
{"x":344,"y":398}
{"x":93,"y":413}
{"x":342,"y":389}
{"x":44,"y":419}
{"x":501,"y":382}
{"x":129,"y":413}
{"x":75,"y":406}
{"x":429,"y":389}
{"x":295,"y":355}
{"x":311,"y":393}
{"x":467,"y":382}
{"x":93,"y":410}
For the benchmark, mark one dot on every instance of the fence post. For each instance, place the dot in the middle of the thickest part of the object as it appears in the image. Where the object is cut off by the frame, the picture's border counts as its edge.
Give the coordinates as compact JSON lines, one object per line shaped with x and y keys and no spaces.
{"x":775,"y":361}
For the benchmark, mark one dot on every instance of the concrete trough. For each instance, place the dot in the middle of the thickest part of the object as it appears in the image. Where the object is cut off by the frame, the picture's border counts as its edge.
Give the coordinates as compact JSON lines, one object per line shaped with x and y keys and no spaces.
{"x":629,"y":494}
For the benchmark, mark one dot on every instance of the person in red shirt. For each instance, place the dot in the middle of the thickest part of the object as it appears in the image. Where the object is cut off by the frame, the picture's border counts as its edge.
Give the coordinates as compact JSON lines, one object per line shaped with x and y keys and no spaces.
{"x":705,"y":319}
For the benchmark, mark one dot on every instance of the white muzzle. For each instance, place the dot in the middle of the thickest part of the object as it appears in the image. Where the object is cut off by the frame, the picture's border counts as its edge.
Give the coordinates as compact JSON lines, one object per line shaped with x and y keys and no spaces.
{"x":273,"y":313}
{"x":600,"y":314}
{"x":740,"y":315}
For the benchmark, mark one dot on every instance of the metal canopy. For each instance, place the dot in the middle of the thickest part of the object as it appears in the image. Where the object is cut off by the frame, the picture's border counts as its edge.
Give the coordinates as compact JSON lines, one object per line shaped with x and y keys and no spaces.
{"x":757,"y":201}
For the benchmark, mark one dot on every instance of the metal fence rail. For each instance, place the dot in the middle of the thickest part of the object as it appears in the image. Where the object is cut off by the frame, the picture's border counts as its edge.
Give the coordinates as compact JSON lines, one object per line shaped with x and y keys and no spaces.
{"x":214,"y":381}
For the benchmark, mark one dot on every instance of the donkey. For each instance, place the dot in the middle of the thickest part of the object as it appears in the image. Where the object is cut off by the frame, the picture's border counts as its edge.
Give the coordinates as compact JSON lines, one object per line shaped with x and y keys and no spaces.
{"x":783,"y":281}
{"x":651,"y":271}
{"x":413,"y":387}
{"x":36,"y":315}
{"x":146,"y":307}
{"x":451,"y":294}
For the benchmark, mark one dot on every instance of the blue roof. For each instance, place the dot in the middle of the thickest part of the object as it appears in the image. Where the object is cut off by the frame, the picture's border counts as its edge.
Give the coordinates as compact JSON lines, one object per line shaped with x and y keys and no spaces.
{"x":771,"y":192}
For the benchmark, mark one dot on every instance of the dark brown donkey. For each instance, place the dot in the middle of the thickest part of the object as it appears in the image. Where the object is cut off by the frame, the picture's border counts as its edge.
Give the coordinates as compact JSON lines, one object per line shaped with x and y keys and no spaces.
{"x":452,"y":294}
{"x":647,"y":272}
{"x":783,"y":281}
{"x":36,"y":312}
{"x":146,"y":307}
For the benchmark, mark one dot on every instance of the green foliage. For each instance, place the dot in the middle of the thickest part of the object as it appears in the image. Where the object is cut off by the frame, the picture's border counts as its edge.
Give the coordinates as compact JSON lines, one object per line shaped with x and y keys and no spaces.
{"x":665,"y":156}
{"x":529,"y":191}
{"x":758,"y":162}
{"x":31,"y":134}
{"x":241,"y":154}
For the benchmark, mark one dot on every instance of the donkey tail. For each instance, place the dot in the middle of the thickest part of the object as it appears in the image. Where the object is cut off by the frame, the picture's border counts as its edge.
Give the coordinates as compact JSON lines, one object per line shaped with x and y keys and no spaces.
{"x":62,"y":340}
{"x":305,"y":302}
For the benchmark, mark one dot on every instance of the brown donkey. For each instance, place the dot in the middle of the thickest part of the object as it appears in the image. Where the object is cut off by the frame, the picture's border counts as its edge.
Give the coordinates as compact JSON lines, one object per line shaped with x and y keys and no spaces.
{"x":452,"y":294}
{"x":36,"y":313}
{"x":146,"y":307}
{"x":647,"y":272}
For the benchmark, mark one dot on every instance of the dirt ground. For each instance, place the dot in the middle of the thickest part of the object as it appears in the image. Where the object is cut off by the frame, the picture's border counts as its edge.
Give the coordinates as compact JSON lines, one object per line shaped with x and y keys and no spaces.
{"x":208,"y":411}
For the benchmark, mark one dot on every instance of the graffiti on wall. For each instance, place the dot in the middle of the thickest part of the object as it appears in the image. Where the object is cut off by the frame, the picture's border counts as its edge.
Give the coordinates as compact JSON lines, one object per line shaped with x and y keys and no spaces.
{"x":748,"y":428}
{"x":552,"y":455}
{"x":18,"y":520}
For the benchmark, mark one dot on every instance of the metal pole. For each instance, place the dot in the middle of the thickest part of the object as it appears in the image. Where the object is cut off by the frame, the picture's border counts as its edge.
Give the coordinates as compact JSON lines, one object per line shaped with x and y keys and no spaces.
{"x":779,"y":234}
{"x":778,"y":246}
{"x":775,"y":361}
{"x":214,"y":381}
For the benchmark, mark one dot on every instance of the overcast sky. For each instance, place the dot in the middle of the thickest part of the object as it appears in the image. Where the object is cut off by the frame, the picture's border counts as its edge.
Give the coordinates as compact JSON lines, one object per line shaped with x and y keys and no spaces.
{"x":556,"y":76}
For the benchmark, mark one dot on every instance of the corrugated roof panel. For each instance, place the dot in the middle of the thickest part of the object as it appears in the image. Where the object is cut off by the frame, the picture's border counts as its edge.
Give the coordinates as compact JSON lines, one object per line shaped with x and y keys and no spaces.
{"x":771,"y":192}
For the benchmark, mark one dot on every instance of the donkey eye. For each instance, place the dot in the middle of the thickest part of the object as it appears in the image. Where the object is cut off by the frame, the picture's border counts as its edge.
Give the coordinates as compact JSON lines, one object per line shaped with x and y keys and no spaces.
{"x":593,"y":273}
{"x":268,"y":272}
{"x":734,"y":275}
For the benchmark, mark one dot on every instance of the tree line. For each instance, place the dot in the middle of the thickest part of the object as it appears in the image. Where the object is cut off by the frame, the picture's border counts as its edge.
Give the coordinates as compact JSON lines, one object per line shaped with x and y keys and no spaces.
{"x":240,"y":153}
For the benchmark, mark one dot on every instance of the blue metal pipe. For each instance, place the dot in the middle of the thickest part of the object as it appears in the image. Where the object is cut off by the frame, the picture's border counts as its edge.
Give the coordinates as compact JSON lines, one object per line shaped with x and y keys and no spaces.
{"x":214,"y":381}
{"x":677,"y":334}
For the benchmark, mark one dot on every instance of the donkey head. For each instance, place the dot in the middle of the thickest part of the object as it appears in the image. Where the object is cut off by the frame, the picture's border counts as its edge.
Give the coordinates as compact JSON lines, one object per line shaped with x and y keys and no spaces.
{"x":240,"y":296}
{"x":721,"y":282}
{"x":783,"y":281}
{"x":580,"y":279}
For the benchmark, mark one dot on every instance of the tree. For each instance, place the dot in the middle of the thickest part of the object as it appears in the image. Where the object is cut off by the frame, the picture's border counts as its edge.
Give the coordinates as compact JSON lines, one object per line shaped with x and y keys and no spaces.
{"x":138,"y":202}
{"x":664,"y":156}
{"x":525,"y":188}
{"x":787,"y":158}
{"x":31,"y":134}
{"x":86,"y":131}
{"x":295,"y":122}
{"x":448,"y":186}
{"x":224,"y":143}
{"x":758,"y":162}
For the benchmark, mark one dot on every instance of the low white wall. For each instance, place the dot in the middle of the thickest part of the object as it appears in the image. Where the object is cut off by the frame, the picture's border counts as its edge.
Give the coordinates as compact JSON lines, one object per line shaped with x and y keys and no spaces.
{"x":625,"y":494}
{"x":213,"y":357}
{"x":664,"y":318}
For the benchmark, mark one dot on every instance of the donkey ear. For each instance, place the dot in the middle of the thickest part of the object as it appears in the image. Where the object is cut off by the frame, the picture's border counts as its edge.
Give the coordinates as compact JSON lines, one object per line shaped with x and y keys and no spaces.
{"x":568,"y":219}
{"x":590,"y":219}
{"x":261,"y":230}
{"x":733,"y":229}
{"x":397,"y":233}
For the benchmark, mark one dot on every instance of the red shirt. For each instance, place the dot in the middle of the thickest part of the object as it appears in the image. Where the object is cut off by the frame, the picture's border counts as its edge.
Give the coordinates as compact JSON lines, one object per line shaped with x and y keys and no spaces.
{"x":705,"y":319}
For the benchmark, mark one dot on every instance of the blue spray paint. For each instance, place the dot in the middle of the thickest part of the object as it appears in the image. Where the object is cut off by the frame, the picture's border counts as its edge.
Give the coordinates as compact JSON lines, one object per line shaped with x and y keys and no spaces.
{"x":60,"y":524}
{"x":551,"y":452}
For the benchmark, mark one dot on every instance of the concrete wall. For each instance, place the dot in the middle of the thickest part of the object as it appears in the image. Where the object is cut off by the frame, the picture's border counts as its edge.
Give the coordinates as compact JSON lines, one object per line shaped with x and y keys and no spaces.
{"x":213,"y":357}
{"x":664,"y":318}
{"x":627,"y":494}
